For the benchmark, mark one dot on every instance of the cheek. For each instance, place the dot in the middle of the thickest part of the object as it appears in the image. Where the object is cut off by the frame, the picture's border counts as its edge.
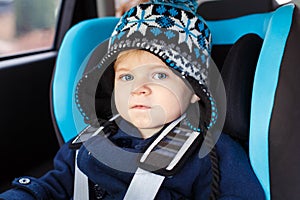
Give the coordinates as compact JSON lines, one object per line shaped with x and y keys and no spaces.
{"x":171,"y":104}
{"x":121,"y":99}
{"x":177,"y":103}
{"x":178,"y":93}
{"x":184,"y":96}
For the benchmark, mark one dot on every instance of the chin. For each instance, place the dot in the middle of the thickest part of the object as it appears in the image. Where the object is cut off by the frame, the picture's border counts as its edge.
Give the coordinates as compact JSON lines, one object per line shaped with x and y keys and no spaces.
{"x":142,"y":124}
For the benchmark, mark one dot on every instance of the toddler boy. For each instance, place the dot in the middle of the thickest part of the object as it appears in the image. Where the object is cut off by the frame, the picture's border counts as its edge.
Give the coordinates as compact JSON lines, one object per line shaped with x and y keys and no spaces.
{"x":159,"y":54}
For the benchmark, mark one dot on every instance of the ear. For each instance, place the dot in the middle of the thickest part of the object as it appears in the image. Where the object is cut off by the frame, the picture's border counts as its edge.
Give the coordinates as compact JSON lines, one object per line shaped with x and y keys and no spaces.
{"x":194,"y":98}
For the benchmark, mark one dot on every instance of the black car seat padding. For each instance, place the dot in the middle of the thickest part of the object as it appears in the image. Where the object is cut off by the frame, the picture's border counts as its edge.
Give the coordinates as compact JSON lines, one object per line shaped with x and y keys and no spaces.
{"x":238,"y":73}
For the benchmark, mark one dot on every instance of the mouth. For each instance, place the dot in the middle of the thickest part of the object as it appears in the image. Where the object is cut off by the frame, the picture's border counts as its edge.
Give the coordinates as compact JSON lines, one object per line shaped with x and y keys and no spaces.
{"x":140,"y":107}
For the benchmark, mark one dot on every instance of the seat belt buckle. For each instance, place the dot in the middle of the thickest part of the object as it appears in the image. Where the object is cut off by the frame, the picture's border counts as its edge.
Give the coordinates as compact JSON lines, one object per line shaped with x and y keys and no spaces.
{"x":166,"y":155}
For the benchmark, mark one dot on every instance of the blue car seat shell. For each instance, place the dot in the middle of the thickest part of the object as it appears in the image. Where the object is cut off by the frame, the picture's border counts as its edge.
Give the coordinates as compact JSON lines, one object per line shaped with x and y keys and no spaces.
{"x":84,"y":37}
{"x":78,"y":43}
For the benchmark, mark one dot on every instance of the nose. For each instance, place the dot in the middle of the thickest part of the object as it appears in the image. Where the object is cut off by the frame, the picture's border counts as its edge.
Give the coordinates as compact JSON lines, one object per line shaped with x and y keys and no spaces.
{"x":141,"y":90}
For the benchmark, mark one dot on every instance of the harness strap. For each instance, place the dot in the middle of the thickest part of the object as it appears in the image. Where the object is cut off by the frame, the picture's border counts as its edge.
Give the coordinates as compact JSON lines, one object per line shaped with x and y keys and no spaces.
{"x":81,"y":184}
{"x":144,"y":185}
{"x":161,"y":159}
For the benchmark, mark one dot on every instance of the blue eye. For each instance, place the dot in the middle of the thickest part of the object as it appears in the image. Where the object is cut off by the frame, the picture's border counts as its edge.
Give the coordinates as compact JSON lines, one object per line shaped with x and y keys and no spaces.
{"x":126,"y":77}
{"x":160,"y":76}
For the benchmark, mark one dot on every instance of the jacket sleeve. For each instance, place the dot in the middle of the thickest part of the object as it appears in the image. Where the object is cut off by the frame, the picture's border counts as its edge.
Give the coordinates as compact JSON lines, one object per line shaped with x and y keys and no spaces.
{"x":55,"y":184}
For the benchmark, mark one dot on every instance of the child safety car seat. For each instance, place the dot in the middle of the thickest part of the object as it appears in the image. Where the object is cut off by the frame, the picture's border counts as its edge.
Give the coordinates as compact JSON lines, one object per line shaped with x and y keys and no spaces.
{"x":256,"y":51}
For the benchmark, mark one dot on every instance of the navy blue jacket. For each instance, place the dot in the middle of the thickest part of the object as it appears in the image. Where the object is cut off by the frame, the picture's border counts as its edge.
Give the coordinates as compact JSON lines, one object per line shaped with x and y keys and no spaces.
{"x":238,"y":181}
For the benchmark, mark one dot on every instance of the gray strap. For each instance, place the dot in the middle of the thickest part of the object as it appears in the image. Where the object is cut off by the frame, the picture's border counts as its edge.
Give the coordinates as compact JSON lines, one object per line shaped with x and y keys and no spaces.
{"x":81,"y":186}
{"x":144,"y":185}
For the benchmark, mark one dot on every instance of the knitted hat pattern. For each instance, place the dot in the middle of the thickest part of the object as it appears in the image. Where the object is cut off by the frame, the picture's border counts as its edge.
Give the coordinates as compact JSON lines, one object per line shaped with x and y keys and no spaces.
{"x":173,"y":31}
{"x":177,"y":36}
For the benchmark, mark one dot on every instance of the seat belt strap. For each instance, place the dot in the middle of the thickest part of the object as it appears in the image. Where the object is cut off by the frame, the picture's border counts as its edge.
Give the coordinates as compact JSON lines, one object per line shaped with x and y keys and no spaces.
{"x":144,"y":185}
{"x":81,"y":185}
{"x":160,"y":160}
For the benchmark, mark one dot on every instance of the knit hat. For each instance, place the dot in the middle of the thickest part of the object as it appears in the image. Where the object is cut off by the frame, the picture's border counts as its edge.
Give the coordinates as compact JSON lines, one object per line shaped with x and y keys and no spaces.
{"x":169,"y":29}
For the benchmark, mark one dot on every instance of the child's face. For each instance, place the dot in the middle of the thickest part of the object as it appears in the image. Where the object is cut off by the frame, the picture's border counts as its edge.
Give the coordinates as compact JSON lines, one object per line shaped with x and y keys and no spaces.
{"x":147,"y":93}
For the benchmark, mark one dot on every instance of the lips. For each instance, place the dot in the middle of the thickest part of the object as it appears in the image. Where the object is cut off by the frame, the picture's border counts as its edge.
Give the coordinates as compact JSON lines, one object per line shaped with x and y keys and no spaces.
{"x":140,"y":107}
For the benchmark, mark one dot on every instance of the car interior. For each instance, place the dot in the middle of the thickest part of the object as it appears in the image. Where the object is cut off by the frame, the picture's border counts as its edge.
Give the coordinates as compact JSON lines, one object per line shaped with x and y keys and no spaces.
{"x":255,"y":48}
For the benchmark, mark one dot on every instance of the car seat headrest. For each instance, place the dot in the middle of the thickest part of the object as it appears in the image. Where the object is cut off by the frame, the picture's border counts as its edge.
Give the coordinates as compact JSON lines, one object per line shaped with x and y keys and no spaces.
{"x":226,"y":9}
{"x":238,"y":73}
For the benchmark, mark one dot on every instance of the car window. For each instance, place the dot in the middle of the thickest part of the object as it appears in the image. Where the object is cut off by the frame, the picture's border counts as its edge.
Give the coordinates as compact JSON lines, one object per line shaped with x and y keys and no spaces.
{"x":122,"y":6}
{"x":27,"y":25}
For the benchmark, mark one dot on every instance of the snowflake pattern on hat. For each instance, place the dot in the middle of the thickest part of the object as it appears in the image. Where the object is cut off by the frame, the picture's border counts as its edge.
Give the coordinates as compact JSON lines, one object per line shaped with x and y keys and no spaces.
{"x":189,"y":5}
{"x":189,"y":35}
{"x":191,"y":30}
